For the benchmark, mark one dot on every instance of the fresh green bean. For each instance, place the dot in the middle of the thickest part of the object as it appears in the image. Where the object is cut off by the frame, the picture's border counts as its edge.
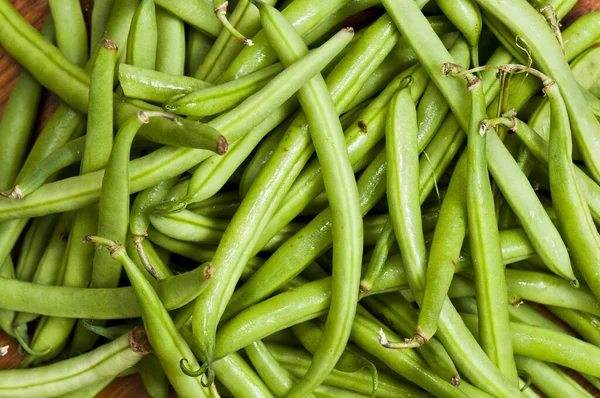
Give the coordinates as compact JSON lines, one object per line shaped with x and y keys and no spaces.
{"x":100,"y":14}
{"x":7,"y":270}
{"x":550,"y":58}
{"x":142,"y":38}
{"x":340,"y":185}
{"x":585,"y":324}
{"x":16,"y":127}
{"x":170,"y":45}
{"x":303,"y":14}
{"x":550,"y":290}
{"x":245,"y":19}
{"x":445,"y":250}
{"x":118,"y":25}
{"x":153,"y":86}
{"x":465,"y":15}
{"x":166,"y":341}
{"x":296,"y":361}
{"x":402,"y":157}
{"x":550,"y":346}
{"x":189,"y":226}
{"x":582,"y":236}
{"x":551,"y":381}
{"x":578,"y":36}
{"x":198,"y":46}
{"x":380,"y":253}
{"x":111,"y":303}
{"x":239,"y":378}
{"x":91,"y":390}
{"x":65,"y":376}
{"x":71,"y":33}
{"x":216,"y":99}
{"x":197,"y":13}
{"x":34,"y":244}
{"x":70,"y":153}
{"x":279,"y":380}
{"x":153,"y":377}
{"x":220,"y":10}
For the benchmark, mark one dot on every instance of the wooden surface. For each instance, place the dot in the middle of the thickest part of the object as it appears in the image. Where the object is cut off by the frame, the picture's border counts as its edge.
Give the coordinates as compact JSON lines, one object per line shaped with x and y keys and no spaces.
{"x":35,"y":11}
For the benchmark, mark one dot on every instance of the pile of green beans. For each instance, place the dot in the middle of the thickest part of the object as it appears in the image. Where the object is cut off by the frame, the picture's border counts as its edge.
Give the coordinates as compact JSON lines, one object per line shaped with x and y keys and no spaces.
{"x":263,"y":198}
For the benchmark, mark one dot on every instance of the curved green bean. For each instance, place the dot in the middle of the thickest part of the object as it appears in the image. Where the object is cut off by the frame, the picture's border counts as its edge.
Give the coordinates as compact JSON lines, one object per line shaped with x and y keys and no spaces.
{"x":198,"y":13}
{"x":142,"y":38}
{"x":71,"y":32}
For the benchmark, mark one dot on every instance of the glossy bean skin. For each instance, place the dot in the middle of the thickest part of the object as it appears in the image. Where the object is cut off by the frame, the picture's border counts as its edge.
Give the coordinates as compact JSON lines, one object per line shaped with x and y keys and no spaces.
{"x":154,"y":86}
{"x":142,"y":38}
{"x":65,"y":376}
{"x":197,"y":46}
{"x":340,"y":185}
{"x":582,"y":322}
{"x":153,"y":377}
{"x":550,"y":290}
{"x":239,"y":378}
{"x":465,"y":15}
{"x":34,"y":244}
{"x":382,"y":248}
{"x":100,"y":15}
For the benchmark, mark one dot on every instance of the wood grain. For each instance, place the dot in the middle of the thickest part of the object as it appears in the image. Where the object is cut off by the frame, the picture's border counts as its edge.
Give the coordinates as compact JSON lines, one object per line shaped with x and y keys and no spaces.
{"x":35,"y":12}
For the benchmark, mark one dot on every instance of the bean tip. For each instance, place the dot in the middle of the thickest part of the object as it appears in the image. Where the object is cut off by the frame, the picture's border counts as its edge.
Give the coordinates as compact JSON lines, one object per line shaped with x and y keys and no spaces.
{"x":348,"y":29}
{"x":222,"y":145}
{"x":108,"y":44}
{"x":574,"y":283}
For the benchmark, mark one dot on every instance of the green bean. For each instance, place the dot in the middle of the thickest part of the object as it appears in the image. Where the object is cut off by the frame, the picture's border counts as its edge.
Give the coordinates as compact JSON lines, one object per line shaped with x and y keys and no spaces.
{"x":150,"y":262}
{"x":91,"y":390}
{"x":550,"y":290}
{"x":175,"y":161}
{"x":100,"y":14}
{"x":16,"y":127}
{"x":118,"y":25}
{"x":48,"y":271}
{"x":340,"y":185}
{"x":170,"y":45}
{"x":166,"y":341}
{"x":315,"y":237}
{"x":549,"y":379}
{"x":380,"y":253}
{"x":485,"y":242}
{"x":402,"y":158}
{"x":582,"y":236}
{"x":303,"y":14}
{"x":65,"y":156}
{"x":262,"y":154}
{"x":153,"y":377}
{"x":578,"y":36}
{"x":445,"y":250}
{"x":296,"y":361}
{"x":465,"y":15}
{"x":216,"y":99}
{"x":592,"y":101}
{"x":153,"y":86}
{"x":198,"y":46}
{"x":550,"y":346}
{"x":34,"y":244}
{"x":585,"y":324}
{"x":142,"y":38}
{"x":7,"y":316}
{"x":65,"y":376}
{"x":71,"y":33}
{"x":188,"y":226}
{"x":245,"y":18}
{"x":110,"y":303}
{"x":197,"y":13}
{"x":402,"y":319}
{"x":550,"y":59}
{"x":139,"y":219}
{"x":516,"y":189}
{"x":279,"y":380}
{"x":239,"y":378}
